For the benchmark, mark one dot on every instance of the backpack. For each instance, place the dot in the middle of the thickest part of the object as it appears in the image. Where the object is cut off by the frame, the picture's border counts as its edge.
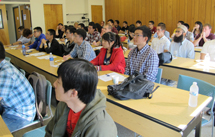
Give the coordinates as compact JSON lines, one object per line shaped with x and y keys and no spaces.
{"x":165,"y":57}
{"x":39,"y":84}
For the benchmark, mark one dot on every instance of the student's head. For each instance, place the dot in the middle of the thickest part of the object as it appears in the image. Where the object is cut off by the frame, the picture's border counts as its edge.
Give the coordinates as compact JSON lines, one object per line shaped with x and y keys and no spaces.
{"x":91,"y":27}
{"x":161,"y":28}
{"x":98,"y":27}
{"x":187,"y":25}
{"x":207,"y":29}
{"x":2,"y":51}
{"x":180,"y":23}
{"x":37,"y":32}
{"x":81,"y":26}
{"x":60,"y":25}
{"x":110,"y":40}
{"x":125,"y":24}
{"x":180,"y":33}
{"x":79,"y":35}
{"x":70,"y":33}
{"x":76,"y":25}
{"x":131,"y":32}
{"x":138,"y":23}
{"x":20,"y":30}
{"x":27,"y":33}
{"x":116,"y":23}
{"x":107,"y":28}
{"x":50,"y":34}
{"x":102,"y":23}
{"x":77,"y":81}
{"x":142,"y":35}
{"x":110,"y":22}
{"x":199,"y":26}
{"x":151,"y":24}
{"x":64,"y":28}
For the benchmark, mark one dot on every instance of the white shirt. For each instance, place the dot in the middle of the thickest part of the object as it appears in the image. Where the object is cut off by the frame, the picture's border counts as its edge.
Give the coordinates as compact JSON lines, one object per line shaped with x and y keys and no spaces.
{"x":209,"y":47}
{"x":159,"y":45}
{"x":23,"y":39}
{"x":184,"y":49}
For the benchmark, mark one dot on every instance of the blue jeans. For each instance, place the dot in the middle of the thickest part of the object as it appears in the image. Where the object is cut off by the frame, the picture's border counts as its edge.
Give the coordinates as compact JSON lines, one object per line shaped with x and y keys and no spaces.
{"x":13,"y":122}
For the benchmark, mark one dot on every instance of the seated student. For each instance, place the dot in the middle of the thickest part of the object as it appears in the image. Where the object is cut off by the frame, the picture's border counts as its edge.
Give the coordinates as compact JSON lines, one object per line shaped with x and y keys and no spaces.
{"x":138,"y":23}
{"x":181,"y":47}
{"x":68,"y":47}
{"x":17,"y":99}
{"x":166,"y":33}
{"x":209,"y":48}
{"x":82,"y":48}
{"x":205,"y":36}
{"x":81,"y":26}
{"x":124,"y":29}
{"x":58,"y":31}
{"x":189,"y":35}
{"x":92,"y":35}
{"x":51,"y":45}
{"x":178,"y":24}
{"x":197,"y":29}
{"x":151,"y":27}
{"x":98,"y":27}
{"x":111,"y":56}
{"x":142,"y":58}
{"x":76,"y":25}
{"x":107,"y":28}
{"x":110,"y":22}
{"x":63,"y":36}
{"x":81,"y":111}
{"x":116,"y":25}
{"x":31,"y":36}
{"x":131,"y":37}
{"x":38,"y":34}
{"x":161,"y":43}
{"x":102,"y":24}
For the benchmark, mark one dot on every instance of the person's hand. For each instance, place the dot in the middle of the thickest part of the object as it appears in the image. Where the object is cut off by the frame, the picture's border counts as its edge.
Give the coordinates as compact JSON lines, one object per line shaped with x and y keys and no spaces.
{"x":8,"y":45}
{"x":94,"y":43}
{"x":19,"y":47}
{"x":66,"y":57}
{"x":203,"y":35}
{"x":57,"y":27}
{"x":62,"y":40}
{"x":43,"y":41}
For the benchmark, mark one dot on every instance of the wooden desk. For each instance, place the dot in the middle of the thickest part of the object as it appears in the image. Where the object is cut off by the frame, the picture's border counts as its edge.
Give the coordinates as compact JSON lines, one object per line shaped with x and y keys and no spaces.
{"x":4,"y":131}
{"x":198,"y":49}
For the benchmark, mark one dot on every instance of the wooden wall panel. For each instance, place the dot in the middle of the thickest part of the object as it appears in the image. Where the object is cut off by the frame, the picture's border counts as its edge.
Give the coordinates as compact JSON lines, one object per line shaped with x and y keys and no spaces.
{"x":167,"y":11}
{"x":4,"y":35}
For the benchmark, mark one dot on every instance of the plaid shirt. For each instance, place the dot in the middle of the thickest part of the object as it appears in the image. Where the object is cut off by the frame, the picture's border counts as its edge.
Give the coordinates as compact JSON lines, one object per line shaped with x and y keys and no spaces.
{"x":17,"y":94}
{"x":84,"y":51}
{"x":93,"y":37}
{"x":145,"y":61}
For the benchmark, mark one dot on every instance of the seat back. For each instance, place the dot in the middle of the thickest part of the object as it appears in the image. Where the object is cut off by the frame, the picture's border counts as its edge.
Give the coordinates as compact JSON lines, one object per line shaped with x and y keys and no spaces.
{"x":159,"y":75}
{"x":8,"y":59}
{"x":49,"y":95}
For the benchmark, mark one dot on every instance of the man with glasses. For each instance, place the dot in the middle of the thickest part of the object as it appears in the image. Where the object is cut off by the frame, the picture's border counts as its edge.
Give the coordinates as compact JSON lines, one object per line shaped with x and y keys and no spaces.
{"x":51,"y":45}
{"x":142,"y":58}
{"x":38,"y":34}
{"x":92,"y":35}
{"x":161,"y":43}
{"x":70,"y":44}
{"x":82,"y":48}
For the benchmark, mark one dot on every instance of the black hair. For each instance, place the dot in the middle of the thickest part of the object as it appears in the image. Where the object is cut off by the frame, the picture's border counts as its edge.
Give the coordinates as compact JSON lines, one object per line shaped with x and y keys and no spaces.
{"x":110,"y":20}
{"x":132,"y":25}
{"x":98,"y":27}
{"x":162,"y":25}
{"x":117,"y":21}
{"x":71,"y":29}
{"x":200,"y":26}
{"x":152,"y":22}
{"x":60,"y":24}
{"x":92,"y":24}
{"x":2,"y":51}
{"x":146,"y":32}
{"x":132,"y":30}
{"x":182,"y":22}
{"x":81,"y":33}
{"x":110,"y":37}
{"x":21,"y":27}
{"x":187,"y":25}
{"x":81,"y":75}
{"x":139,"y":22}
{"x":82,"y":25}
{"x":125,"y":22}
{"x":70,"y":26}
{"x":52,"y":32}
{"x":27,"y":32}
{"x":38,"y":29}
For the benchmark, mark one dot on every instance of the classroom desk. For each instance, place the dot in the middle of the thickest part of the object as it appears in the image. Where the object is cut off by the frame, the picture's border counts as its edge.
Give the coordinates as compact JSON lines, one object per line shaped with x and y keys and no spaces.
{"x":4,"y":131}
{"x":198,"y":49}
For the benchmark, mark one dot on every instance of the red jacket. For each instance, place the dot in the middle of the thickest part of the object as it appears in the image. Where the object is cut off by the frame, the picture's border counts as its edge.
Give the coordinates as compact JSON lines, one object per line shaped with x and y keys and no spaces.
{"x":117,"y":60}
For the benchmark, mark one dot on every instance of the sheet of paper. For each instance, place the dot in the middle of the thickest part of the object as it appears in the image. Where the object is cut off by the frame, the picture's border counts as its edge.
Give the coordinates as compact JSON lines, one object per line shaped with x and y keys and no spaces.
{"x":98,"y":47}
{"x":198,"y":47}
{"x":108,"y":77}
{"x":38,"y":54}
{"x":45,"y":57}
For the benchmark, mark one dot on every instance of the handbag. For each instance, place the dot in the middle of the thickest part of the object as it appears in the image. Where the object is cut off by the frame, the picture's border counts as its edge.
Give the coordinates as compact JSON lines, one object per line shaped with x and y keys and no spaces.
{"x":165,"y":57}
{"x":136,"y":86}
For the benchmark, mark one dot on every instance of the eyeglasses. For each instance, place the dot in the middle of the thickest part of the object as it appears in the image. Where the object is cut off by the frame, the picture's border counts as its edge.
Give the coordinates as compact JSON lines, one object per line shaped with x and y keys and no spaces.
{"x":137,"y":35}
{"x":35,"y":31}
{"x":67,"y":32}
{"x":177,"y":31}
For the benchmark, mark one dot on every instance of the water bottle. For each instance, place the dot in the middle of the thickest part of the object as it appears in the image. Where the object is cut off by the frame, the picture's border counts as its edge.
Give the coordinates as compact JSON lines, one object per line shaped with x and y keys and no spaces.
{"x":207,"y":58}
{"x":23,"y":50}
{"x":194,"y":91}
{"x":51,"y":59}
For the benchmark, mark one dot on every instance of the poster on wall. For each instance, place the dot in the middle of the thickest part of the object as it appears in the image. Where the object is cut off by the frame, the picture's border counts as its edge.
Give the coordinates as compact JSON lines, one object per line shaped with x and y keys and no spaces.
{"x":1,"y":20}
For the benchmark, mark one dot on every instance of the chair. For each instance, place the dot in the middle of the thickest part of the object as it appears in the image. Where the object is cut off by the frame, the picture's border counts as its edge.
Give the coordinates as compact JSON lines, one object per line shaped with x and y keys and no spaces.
{"x":8,"y":59}
{"x":159,"y":75}
{"x":49,"y":94}
{"x":184,"y":82}
{"x":38,"y":132}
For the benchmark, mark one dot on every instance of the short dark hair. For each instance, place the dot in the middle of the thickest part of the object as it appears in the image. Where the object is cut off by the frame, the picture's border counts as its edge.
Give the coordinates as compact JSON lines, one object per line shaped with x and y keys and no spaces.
{"x":82,"y":25}
{"x":81,"y":75}
{"x":182,"y":22}
{"x":60,"y":24}
{"x":81,"y":32}
{"x":125,"y":22}
{"x":71,"y":29}
{"x":152,"y":22}
{"x":98,"y":27}
{"x":38,"y":29}
{"x":131,"y":29}
{"x":187,"y":25}
{"x":117,"y":21}
{"x":2,"y":51}
{"x":92,"y":24}
{"x":110,"y":20}
{"x":27,"y":32}
{"x":146,"y":32}
{"x":139,"y":22}
{"x":21,"y":27}
{"x":52,"y":32}
{"x":162,"y":25}
{"x":132,"y":25}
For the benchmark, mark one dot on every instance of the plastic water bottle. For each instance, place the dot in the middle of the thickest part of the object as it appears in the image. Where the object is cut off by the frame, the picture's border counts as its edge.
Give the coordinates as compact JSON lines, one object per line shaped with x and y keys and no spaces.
{"x":51,"y":59}
{"x":23,"y":50}
{"x":194,"y":91}
{"x":206,"y":62}
{"x":207,"y":58}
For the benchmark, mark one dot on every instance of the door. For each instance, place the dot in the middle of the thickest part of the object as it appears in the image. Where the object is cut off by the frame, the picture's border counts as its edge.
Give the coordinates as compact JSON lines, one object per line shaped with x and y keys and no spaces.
{"x":53,"y":14}
{"x":16,"y":21}
{"x":97,"y":14}
{"x":4,"y":34}
{"x":26,"y":16}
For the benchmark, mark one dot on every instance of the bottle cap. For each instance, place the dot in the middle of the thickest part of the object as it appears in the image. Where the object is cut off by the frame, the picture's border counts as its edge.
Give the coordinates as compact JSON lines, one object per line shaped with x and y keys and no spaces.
{"x":195,"y":83}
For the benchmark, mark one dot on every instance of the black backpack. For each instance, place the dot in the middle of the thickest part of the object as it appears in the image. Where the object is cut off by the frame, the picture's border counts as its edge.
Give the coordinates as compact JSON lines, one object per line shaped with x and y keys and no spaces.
{"x":165,"y":57}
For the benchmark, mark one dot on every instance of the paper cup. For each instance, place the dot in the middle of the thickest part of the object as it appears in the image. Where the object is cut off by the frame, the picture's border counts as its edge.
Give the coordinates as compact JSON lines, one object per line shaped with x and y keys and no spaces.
{"x":115,"y":79}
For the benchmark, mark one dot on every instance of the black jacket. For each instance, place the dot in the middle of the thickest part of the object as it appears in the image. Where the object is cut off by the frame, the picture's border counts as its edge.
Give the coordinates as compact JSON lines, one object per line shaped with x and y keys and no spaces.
{"x":68,"y":47}
{"x":54,"y":48}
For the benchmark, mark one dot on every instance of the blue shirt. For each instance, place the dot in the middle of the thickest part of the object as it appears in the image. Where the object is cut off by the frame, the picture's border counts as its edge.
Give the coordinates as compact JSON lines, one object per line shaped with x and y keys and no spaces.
{"x":17,"y":94}
{"x":84,"y":51}
{"x":166,"y":33}
{"x":37,"y":42}
{"x":145,"y":61}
